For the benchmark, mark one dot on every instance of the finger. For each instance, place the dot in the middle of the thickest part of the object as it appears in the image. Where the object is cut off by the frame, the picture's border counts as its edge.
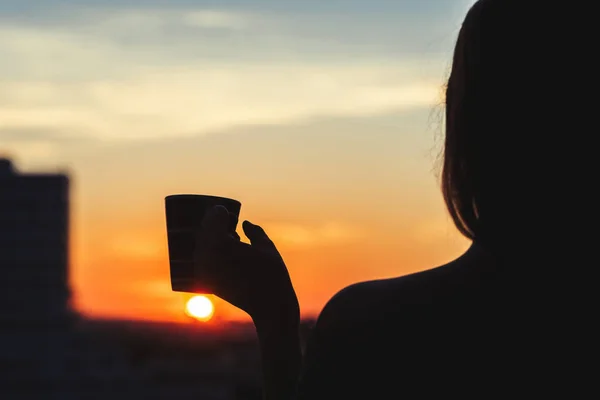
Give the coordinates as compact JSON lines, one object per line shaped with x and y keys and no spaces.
{"x":212,"y":253}
{"x":258,"y":237}
{"x":233,"y":221}
{"x":216,"y":219}
{"x":220,"y":265}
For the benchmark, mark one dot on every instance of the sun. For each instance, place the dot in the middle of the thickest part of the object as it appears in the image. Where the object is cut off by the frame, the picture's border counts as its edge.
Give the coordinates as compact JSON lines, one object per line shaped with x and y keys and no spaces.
{"x":200,"y":308}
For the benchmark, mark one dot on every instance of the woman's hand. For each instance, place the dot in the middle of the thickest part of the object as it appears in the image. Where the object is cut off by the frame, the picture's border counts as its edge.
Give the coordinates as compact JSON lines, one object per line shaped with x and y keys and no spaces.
{"x":251,"y":276}
{"x":254,"y":278}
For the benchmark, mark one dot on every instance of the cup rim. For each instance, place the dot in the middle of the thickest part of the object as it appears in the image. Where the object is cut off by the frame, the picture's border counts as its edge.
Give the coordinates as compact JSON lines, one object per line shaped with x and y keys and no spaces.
{"x":205,"y":196}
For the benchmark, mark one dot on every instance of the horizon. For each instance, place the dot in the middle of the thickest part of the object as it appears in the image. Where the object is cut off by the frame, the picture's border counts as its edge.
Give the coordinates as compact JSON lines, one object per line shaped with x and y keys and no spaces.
{"x":324,"y":120}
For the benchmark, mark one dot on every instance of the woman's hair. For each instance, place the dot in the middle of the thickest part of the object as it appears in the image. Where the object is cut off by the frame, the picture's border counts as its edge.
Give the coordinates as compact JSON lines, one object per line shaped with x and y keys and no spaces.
{"x":489,"y":96}
{"x":458,"y":166}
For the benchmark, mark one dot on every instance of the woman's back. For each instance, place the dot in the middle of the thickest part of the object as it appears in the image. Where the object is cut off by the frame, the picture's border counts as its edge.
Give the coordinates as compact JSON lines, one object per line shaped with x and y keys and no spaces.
{"x":466,"y":328}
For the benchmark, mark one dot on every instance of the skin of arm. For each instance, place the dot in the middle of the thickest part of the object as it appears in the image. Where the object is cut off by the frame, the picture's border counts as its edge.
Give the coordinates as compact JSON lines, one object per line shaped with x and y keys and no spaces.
{"x":283,"y":364}
{"x":281,"y":358}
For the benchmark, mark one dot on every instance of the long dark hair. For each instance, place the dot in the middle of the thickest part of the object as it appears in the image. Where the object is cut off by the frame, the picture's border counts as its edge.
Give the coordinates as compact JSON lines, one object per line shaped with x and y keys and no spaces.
{"x":490,"y":125}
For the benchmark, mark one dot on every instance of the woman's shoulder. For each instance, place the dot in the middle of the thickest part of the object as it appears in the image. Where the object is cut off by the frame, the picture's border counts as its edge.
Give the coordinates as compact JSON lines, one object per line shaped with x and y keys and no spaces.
{"x":376,"y":299}
{"x":404,"y":289}
{"x":371,"y":300}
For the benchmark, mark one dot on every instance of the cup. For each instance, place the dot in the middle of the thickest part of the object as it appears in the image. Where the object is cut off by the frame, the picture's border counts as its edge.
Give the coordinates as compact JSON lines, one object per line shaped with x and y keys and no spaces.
{"x":184,"y":215}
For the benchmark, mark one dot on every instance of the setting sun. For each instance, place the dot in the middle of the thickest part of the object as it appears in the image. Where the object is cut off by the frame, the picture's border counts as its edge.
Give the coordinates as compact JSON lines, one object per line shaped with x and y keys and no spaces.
{"x":200,"y":307}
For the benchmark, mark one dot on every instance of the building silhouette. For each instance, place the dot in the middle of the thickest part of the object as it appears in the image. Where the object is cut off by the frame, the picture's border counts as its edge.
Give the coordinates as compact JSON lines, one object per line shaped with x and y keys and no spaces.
{"x":34,"y":291}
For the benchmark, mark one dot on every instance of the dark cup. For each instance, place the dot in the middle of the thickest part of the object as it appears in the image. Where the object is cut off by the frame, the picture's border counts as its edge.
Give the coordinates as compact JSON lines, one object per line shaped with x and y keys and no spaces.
{"x":184,"y":213}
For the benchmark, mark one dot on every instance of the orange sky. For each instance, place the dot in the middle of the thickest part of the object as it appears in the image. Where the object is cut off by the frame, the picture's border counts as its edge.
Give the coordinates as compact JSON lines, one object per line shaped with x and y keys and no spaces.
{"x":120,"y":266}
{"x":359,"y":209}
{"x":324,"y":122}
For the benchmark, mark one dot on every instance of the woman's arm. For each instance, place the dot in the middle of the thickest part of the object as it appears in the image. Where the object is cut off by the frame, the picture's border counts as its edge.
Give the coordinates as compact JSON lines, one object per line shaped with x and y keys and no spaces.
{"x":324,"y":370}
{"x":254,"y":278}
{"x":281,"y":359}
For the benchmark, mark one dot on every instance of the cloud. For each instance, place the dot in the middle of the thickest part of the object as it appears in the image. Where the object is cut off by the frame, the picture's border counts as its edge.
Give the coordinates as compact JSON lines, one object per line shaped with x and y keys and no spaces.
{"x":33,"y":150}
{"x":125,"y":74}
{"x":108,"y":43}
{"x":135,"y":247}
{"x":40,"y":135}
{"x":115,"y":23}
{"x":328,"y":233}
{"x":40,"y":144}
{"x":182,"y":102}
{"x":215,"y":19}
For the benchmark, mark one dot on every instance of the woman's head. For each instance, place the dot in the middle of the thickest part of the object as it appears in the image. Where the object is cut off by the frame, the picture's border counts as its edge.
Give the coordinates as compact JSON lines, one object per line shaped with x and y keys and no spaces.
{"x":498,"y":82}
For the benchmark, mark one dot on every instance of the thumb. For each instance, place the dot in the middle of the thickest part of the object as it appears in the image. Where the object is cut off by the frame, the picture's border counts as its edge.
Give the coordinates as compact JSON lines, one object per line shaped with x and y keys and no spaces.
{"x":258,"y":237}
{"x":214,"y":225}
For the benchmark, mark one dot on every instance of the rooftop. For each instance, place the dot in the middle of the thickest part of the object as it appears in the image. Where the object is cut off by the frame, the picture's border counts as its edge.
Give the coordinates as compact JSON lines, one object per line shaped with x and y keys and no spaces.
{"x":6,"y":167}
{"x":8,"y":170}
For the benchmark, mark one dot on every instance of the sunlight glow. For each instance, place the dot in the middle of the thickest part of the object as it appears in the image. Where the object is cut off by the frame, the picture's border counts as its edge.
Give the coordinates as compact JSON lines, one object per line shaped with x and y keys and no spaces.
{"x":200,"y":308}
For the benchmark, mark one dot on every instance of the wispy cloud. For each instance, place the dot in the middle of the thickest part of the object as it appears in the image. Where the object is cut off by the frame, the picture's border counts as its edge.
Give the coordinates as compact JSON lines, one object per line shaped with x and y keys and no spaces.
{"x":326,"y":234}
{"x":216,"y":19}
{"x":138,"y":22}
{"x":182,"y":102}
{"x":126,"y":73}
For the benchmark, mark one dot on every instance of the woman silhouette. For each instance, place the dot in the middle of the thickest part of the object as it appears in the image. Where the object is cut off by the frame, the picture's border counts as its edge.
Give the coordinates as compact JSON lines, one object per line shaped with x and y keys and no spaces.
{"x":477,"y":324}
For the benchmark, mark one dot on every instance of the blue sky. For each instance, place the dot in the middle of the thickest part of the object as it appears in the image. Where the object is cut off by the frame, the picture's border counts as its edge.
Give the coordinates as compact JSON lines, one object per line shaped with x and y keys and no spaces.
{"x":283,"y":6}
{"x":236,"y":30}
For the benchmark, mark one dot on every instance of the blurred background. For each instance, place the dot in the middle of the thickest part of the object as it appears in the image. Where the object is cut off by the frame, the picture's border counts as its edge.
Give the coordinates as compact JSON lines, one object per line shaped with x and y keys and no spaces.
{"x":324,"y":118}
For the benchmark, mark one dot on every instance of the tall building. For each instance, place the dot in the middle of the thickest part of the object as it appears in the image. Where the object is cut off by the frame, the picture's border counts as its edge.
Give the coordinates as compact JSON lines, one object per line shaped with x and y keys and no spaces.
{"x":34,"y":289}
